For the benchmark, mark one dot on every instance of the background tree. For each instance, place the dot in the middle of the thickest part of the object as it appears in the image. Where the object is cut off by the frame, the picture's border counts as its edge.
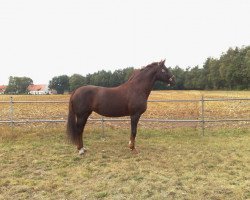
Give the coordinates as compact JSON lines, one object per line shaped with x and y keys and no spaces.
{"x":230,"y":71}
{"x":18,"y":85}
{"x":117,"y":78}
{"x":127,"y":72}
{"x":60,"y":84}
{"x":12,"y":87}
{"x":247,"y":68}
{"x":100,"y":78}
{"x":76,"y":81}
{"x":179,"y":78}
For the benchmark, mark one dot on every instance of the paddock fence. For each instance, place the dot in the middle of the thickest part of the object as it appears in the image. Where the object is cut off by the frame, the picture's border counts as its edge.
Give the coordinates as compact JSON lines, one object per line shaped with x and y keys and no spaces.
{"x":202,"y":119}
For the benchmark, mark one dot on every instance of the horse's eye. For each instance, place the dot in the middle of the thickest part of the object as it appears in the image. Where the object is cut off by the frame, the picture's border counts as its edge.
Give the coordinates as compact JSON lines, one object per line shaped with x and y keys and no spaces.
{"x":163,"y":70}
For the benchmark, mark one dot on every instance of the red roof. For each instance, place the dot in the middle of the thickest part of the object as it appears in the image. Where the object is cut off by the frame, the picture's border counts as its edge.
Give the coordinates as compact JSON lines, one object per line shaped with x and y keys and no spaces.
{"x":37,"y":87}
{"x":2,"y":87}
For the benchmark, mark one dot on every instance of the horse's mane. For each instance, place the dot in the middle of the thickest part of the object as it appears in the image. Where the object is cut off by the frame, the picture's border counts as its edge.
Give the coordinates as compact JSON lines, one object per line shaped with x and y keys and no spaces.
{"x":138,"y":72}
{"x":149,"y":66}
{"x":135,"y":73}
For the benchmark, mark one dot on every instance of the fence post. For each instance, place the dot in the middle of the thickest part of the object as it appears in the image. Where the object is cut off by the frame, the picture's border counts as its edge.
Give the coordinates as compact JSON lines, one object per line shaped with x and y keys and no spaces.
{"x":11,"y":113}
{"x":202,"y":114}
{"x":103,"y":133}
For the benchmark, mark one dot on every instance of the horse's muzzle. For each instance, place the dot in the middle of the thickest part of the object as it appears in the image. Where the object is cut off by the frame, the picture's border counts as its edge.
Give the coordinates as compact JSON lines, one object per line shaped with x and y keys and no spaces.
{"x":172,"y":81}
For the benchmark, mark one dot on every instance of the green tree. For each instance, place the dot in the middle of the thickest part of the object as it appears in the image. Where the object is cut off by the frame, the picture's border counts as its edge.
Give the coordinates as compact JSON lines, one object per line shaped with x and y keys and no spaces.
{"x":76,"y":81}
{"x":247,"y":69}
{"x":127,"y":72}
{"x":214,"y":74}
{"x":12,"y":87}
{"x":179,"y":78}
{"x":233,"y":68}
{"x":100,"y":78}
{"x":18,"y":85}
{"x":230,"y":71}
{"x":117,"y":78}
{"x":60,"y":84}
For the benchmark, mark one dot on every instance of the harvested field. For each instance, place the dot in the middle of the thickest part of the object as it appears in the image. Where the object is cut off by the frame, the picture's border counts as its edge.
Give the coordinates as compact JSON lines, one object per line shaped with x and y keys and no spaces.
{"x":159,"y":110}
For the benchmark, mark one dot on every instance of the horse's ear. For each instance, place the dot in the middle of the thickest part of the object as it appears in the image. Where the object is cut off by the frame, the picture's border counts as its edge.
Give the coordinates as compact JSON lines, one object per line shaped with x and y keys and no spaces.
{"x":162,"y":62}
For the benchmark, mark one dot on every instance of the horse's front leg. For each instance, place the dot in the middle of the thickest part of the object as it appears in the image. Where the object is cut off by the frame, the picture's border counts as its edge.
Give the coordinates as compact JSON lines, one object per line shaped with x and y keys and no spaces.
{"x":134,"y":122}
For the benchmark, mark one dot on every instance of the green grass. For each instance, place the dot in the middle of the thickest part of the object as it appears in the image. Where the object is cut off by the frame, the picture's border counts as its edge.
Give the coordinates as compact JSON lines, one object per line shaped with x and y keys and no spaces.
{"x":172,"y":164}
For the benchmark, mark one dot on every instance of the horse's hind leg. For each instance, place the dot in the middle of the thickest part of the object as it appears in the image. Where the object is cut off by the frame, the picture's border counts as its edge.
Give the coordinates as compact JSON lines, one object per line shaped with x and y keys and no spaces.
{"x":81,"y":122}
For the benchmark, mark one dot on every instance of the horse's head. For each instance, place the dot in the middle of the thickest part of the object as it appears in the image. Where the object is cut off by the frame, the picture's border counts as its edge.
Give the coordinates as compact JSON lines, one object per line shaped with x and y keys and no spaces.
{"x":164,"y":74}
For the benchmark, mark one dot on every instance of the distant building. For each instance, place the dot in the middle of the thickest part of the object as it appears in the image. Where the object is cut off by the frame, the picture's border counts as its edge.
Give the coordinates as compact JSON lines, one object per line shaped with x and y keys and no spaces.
{"x":38,"y":89}
{"x":2,"y":89}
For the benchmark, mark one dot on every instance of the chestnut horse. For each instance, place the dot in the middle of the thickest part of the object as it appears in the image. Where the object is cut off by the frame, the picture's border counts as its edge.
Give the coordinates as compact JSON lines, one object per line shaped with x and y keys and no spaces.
{"x":128,"y":99}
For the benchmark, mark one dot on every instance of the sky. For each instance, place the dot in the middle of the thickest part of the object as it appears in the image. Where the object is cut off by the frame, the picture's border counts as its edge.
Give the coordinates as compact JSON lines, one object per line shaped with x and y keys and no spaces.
{"x":43,"y":39}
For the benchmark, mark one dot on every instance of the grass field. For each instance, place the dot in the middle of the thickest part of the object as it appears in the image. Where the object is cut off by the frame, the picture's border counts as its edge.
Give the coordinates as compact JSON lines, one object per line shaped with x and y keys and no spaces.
{"x":175,"y":161}
{"x":38,"y":163}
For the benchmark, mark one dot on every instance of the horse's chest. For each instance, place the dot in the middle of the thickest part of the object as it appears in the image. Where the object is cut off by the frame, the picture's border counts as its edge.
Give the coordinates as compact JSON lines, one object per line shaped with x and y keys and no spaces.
{"x":138,"y":106}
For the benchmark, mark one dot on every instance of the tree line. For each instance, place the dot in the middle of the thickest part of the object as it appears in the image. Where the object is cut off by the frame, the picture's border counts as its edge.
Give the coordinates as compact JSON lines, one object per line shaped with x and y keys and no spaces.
{"x":101,"y":78}
{"x":229,"y":72}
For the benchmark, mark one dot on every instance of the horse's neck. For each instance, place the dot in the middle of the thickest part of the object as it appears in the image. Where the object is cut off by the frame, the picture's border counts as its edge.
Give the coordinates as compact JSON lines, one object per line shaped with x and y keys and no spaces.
{"x":144,"y":83}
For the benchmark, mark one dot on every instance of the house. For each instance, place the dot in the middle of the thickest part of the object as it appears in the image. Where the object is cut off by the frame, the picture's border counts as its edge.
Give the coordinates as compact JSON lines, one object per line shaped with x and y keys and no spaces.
{"x":2,"y":89}
{"x":38,"y":89}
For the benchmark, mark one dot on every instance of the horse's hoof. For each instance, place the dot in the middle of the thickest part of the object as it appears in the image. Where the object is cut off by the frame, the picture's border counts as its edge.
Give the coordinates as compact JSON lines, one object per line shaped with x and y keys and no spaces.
{"x":81,"y":151}
{"x":131,"y":145}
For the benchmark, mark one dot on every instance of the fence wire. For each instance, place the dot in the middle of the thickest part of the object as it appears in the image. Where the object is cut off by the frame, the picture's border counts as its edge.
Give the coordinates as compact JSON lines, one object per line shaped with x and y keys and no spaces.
{"x":17,"y":112}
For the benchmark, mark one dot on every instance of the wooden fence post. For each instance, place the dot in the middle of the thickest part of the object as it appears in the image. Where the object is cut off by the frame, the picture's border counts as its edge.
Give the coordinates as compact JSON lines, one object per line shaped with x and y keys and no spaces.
{"x":203,"y":114}
{"x":103,"y":133}
{"x":11,"y":113}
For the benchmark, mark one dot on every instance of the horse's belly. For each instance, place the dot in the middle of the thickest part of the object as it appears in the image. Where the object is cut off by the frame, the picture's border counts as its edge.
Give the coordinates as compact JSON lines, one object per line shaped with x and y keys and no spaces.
{"x":112,"y":110}
{"x":111,"y":103}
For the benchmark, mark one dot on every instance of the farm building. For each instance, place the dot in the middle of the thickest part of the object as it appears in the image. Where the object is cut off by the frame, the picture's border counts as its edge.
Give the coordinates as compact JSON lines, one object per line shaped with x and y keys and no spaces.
{"x":38,"y":89}
{"x":2,"y":89}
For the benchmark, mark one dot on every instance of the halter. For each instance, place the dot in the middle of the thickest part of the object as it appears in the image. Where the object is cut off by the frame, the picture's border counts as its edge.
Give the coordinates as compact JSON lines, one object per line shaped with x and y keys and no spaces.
{"x":171,"y":78}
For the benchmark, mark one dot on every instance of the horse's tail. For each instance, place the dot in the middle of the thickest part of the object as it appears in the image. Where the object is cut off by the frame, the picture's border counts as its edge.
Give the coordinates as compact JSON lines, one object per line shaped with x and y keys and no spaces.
{"x":72,"y":130}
